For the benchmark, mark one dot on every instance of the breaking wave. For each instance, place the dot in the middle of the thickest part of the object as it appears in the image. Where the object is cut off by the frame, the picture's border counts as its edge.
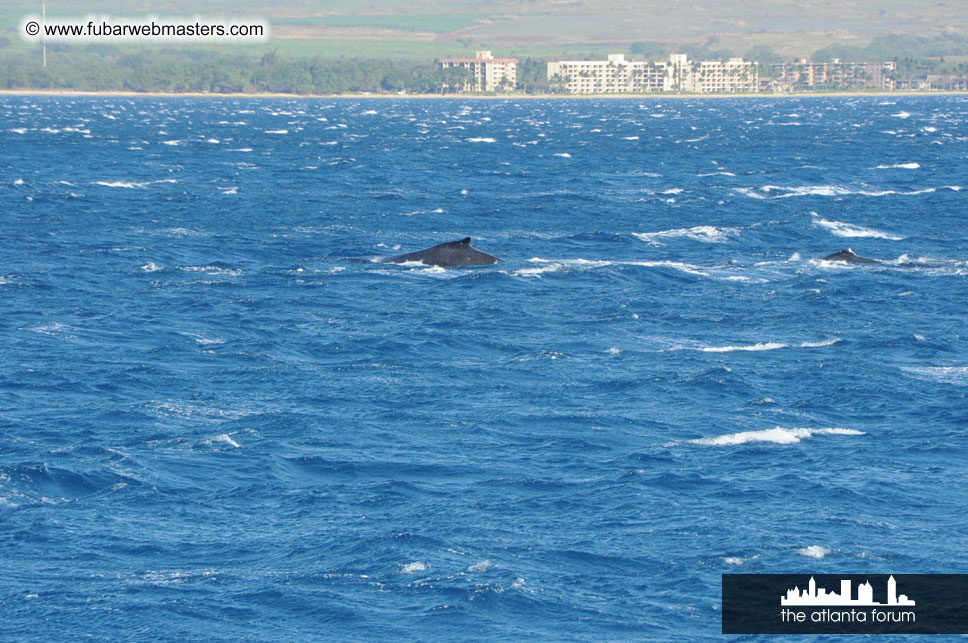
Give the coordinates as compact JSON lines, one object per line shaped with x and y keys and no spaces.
{"x":565,"y":265}
{"x":776,"y":435}
{"x":899,"y":166}
{"x":131,"y":184}
{"x":705,"y":233}
{"x":814,"y":551}
{"x":842,"y":229}
{"x":944,"y":374}
{"x":759,"y":346}
{"x":784,"y":192}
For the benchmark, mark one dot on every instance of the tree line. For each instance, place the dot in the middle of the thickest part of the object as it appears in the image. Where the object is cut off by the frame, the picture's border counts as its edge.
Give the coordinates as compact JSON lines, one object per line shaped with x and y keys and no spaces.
{"x":107,"y":68}
{"x":100,"y":68}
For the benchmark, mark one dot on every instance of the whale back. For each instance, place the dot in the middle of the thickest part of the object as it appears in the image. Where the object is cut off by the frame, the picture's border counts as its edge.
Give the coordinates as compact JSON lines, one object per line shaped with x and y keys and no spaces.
{"x":454,"y":253}
{"x":849,"y":256}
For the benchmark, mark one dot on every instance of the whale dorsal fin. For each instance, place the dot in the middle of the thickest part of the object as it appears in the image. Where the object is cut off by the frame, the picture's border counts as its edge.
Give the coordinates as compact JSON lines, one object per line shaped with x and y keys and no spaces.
{"x":451,"y":253}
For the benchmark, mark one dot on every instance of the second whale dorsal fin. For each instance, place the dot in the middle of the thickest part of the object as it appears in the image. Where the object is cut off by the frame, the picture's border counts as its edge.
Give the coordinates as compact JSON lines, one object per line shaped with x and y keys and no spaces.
{"x":466,"y":241}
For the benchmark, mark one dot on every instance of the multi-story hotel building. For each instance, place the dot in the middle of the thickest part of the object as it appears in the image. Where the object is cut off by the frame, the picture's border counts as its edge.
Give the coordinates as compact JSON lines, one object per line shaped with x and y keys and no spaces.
{"x":615,"y":75}
{"x":618,"y":75}
{"x":834,"y":75}
{"x":488,"y":73}
{"x":721,"y":77}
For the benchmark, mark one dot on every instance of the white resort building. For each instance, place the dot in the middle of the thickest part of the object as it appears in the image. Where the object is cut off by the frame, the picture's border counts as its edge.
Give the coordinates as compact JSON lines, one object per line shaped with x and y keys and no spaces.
{"x":487,"y":73}
{"x":803,"y":75}
{"x":618,"y":75}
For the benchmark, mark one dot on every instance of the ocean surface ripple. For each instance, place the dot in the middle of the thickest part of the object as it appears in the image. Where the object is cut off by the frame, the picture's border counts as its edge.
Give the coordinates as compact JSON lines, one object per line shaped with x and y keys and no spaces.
{"x":220,"y":420}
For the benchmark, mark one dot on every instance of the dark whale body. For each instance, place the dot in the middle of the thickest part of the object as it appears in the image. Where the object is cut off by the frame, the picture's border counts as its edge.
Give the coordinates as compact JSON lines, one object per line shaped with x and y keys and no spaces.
{"x":849,"y":256}
{"x":455,"y":253}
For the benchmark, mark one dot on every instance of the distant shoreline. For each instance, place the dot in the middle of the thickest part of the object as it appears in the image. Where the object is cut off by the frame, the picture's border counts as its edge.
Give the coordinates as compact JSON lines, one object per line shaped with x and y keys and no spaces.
{"x":130,"y":94}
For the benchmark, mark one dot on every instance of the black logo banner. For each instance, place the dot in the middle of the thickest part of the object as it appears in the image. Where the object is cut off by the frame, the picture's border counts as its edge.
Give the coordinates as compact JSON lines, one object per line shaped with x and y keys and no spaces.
{"x":845,"y":604}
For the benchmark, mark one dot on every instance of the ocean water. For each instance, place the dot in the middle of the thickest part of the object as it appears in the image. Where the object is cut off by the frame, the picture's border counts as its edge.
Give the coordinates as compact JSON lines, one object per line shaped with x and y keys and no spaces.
{"x":221,"y":420}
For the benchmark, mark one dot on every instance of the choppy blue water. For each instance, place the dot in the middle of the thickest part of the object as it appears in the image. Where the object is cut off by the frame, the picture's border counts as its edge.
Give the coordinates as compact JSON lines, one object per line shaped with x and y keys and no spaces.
{"x":219,"y":420}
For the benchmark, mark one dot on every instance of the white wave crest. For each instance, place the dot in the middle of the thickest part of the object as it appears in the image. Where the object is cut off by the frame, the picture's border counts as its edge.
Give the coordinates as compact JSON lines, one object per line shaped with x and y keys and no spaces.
{"x":899,"y":166}
{"x":826,"y":342}
{"x":482,"y":140}
{"x":550,"y":265}
{"x":559,"y":265}
{"x":132,"y":184}
{"x":537,"y":272}
{"x":766,"y":346}
{"x":932,"y":266}
{"x":55,"y":329}
{"x":814,"y":551}
{"x":224,"y":438}
{"x":689,"y":268}
{"x":480,"y":567}
{"x":776,"y":435}
{"x":213,"y":270}
{"x":414,"y":567}
{"x":944,"y":374}
{"x":842,"y":229}
{"x":759,"y":346}
{"x":785,"y":192}
{"x":737,"y":560}
{"x":704,"y":233}
{"x":151,"y":266}
{"x":416,"y":212}
{"x":183,"y":232}
{"x":204,"y":341}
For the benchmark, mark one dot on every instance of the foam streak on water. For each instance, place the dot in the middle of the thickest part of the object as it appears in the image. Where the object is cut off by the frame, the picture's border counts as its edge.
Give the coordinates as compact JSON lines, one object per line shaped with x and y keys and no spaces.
{"x":222,"y":419}
{"x":777,"y":436}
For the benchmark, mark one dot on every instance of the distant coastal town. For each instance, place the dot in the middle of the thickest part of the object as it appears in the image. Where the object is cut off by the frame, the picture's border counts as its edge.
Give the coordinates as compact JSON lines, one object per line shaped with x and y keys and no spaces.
{"x":678,"y":74}
{"x":643,"y":70}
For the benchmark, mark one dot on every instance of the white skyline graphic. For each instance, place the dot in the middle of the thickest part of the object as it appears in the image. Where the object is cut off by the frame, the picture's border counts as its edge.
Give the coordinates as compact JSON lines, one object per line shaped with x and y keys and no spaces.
{"x":813,"y":595}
